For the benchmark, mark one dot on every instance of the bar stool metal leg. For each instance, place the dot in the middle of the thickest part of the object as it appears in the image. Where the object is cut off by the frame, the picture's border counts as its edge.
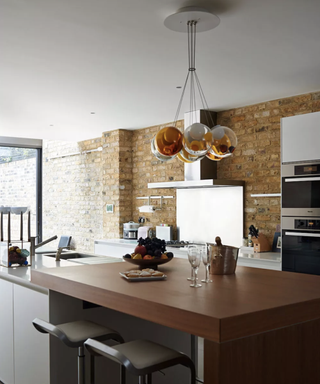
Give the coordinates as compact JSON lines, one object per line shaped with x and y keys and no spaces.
{"x":142,"y":380}
{"x":193,"y":374}
{"x":81,"y":372}
{"x":149,"y":378}
{"x":92,"y":372}
{"x":122,"y":374}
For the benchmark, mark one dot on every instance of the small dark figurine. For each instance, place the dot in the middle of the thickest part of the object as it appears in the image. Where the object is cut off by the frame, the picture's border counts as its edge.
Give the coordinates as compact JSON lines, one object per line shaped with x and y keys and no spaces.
{"x":18,"y":256}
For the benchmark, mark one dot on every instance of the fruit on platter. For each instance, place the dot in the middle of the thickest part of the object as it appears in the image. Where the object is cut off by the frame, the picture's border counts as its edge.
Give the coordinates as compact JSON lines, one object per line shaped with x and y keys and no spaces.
{"x":141,"y":249}
{"x":148,"y":249}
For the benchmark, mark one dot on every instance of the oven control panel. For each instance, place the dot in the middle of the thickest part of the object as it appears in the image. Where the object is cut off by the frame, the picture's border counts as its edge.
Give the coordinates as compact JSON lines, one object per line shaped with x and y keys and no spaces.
{"x":306,"y":224}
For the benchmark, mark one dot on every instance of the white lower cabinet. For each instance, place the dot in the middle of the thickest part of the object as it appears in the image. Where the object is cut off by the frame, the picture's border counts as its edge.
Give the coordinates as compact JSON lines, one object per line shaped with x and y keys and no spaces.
{"x":24,"y":352}
{"x":6,"y":332}
{"x":31,"y":348}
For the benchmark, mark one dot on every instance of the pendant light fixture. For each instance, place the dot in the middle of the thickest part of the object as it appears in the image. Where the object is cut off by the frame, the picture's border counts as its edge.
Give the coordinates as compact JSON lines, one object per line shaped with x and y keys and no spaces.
{"x":198,"y":140}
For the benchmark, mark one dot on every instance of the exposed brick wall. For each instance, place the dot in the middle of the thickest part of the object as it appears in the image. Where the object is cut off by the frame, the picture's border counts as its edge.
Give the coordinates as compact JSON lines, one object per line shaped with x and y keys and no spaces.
{"x":147,"y":169}
{"x":77,"y":188}
{"x":257,"y":157}
{"x":117,"y":181}
{"x":72,"y":193}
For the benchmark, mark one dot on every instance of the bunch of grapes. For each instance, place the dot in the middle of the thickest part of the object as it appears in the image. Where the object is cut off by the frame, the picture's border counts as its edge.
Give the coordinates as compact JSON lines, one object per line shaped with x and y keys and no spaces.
{"x":155,"y":247}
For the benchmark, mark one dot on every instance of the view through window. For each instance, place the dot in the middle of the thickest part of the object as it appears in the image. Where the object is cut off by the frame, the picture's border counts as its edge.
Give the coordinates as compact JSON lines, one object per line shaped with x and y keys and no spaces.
{"x":19,"y":187}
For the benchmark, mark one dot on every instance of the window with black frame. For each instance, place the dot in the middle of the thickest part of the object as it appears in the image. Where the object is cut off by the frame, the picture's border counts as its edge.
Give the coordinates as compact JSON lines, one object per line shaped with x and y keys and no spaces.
{"x":20,"y":187}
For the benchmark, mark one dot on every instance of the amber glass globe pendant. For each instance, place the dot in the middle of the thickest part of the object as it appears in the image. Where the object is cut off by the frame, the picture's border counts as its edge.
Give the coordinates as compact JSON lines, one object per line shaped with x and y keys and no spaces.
{"x":198,"y":140}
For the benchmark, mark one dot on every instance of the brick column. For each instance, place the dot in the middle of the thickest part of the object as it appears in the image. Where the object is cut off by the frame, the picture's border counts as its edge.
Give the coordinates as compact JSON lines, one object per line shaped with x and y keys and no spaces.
{"x":117,"y":181}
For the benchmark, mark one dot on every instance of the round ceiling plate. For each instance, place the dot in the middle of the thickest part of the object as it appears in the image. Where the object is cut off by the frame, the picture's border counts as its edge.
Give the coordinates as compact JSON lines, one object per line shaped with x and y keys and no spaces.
{"x":205,"y":19}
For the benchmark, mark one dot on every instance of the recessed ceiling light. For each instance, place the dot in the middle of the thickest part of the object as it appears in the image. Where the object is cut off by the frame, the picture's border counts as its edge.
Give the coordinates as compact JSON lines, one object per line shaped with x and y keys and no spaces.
{"x":92,"y":113}
{"x":51,"y":125}
{"x":179,"y":87}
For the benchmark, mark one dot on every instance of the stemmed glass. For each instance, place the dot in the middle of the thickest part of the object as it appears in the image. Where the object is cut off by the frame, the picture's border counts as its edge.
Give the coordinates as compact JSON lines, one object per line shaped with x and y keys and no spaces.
{"x":206,"y":255}
{"x":194,"y":257}
{"x":192,"y":271}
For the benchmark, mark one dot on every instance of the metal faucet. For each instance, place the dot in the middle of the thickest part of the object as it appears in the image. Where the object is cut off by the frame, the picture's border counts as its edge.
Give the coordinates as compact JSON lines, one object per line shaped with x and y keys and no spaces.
{"x":58,"y":254}
{"x":33,"y":245}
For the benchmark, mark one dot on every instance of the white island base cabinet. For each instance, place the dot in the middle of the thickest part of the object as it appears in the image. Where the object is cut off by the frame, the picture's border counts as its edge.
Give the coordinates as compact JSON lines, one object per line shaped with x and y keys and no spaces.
{"x":31,"y":348}
{"x":6,"y":335}
{"x":24,"y":352}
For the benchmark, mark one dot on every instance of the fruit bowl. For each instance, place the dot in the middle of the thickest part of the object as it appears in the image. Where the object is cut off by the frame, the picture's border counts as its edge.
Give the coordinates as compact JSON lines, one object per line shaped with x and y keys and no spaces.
{"x":143,"y":263}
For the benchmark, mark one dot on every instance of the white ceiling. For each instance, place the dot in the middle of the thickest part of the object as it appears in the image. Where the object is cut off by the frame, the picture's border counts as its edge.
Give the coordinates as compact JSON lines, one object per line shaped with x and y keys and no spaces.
{"x":63,"y":59}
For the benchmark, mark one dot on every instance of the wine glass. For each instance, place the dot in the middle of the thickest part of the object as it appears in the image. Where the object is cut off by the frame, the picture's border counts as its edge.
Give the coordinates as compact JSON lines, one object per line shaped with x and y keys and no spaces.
{"x":194,"y":257}
{"x":192,"y":271}
{"x":206,"y":255}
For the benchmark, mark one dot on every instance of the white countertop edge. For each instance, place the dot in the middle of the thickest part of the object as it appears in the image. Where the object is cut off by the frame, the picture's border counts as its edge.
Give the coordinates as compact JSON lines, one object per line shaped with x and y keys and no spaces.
{"x":22,"y":275}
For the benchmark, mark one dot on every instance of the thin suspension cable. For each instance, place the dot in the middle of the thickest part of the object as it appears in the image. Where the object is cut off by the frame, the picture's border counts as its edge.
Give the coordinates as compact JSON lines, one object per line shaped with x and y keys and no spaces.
{"x":204,"y":101}
{"x":181,"y":98}
{"x":194,"y":80}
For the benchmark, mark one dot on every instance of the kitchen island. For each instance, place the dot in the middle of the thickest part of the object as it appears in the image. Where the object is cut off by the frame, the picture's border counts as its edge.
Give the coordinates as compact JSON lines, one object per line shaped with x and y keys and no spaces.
{"x":260,"y":326}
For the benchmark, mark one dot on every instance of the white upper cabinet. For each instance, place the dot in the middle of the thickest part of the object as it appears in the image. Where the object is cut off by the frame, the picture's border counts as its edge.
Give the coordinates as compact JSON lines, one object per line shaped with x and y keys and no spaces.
{"x":300,"y":137}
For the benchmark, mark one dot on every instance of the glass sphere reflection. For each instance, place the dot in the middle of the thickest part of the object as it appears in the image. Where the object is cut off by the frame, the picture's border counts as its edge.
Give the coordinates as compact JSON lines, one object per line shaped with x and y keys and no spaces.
{"x":168,"y":141}
{"x":211,"y":156}
{"x":224,"y":141}
{"x":158,"y":155}
{"x":181,"y":158}
{"x":197,"y":139}
{"x":187,"y":158}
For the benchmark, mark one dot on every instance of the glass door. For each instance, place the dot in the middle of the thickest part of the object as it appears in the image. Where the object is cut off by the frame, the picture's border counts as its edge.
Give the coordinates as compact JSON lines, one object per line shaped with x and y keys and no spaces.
{"x":20,"y":186}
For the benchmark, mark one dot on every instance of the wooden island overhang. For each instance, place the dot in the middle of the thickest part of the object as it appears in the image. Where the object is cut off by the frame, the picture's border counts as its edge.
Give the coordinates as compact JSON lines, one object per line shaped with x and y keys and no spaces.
{"x":233,"y":306}
{"x":233,"y":309}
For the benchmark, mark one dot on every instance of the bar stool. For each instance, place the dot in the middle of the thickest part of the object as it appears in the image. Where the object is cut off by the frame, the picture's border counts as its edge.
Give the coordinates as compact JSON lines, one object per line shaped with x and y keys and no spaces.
{"x":142,"y":357}
{"x":74,"y":334}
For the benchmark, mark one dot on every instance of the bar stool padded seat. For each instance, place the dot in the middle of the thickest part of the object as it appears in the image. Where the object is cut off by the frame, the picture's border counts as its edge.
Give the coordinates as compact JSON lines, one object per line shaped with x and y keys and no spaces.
{"x":141,"y":357}
{"x":75,"y":333}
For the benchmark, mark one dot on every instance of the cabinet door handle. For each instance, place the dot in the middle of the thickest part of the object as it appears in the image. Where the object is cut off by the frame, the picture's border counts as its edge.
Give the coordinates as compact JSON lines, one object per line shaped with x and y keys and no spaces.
{"x":297,"y":179}
{"x":303,"y":234}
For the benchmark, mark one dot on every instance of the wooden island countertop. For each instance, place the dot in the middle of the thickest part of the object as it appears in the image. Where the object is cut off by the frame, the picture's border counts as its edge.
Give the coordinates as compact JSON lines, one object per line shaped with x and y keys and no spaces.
{"x":232,"y":311}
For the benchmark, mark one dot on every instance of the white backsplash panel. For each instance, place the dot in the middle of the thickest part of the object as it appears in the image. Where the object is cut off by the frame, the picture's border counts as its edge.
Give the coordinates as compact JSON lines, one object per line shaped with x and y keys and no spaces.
{"x":204,"y":213}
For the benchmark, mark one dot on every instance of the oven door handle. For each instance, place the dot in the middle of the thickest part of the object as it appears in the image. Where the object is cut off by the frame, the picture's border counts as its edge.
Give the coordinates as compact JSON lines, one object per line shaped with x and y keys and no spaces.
{"x":303,"y":234}
{"x":297,"y":179}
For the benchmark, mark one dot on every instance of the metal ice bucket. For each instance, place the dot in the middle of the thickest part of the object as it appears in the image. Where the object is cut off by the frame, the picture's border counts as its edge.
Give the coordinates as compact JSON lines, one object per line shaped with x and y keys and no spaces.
{"x":224,"y":258}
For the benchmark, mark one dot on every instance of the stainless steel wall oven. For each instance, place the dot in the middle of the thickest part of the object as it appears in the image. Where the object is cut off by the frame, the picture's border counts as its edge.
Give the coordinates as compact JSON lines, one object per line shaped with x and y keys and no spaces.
{"x":301,"y":244}
{"x":301,"y":189}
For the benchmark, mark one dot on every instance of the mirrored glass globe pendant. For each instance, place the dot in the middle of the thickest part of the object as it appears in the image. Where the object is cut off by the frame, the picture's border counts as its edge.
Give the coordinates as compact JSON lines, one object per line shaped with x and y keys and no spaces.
{"x":198,"y":140}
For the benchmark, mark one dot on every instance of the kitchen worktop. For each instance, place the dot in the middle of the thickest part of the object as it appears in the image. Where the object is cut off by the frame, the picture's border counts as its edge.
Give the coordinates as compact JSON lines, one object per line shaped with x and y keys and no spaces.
{"x":22,"y":275}
{"x":229,"y":307}
{"x":254,"y":318}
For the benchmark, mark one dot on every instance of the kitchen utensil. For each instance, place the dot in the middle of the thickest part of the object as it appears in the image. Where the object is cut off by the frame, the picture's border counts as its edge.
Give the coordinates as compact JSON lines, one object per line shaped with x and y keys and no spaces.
{"x":145,"y":263}
{"x":18,"y":210}
{"x":253,"y":231}
{"x":224,"y":258}
{"x":194,"y":257}
{"x":130,"y":230}
{"x":5,"y":210}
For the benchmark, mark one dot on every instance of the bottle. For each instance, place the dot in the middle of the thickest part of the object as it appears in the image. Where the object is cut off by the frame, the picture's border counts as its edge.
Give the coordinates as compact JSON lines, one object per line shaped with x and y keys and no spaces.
{"x":250,"y":243}
{"x":150,"y":233}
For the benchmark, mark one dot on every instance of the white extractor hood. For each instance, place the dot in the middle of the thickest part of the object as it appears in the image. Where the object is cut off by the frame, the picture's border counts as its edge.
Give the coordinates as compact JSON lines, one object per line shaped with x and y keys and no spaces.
{"x":203,"y":173}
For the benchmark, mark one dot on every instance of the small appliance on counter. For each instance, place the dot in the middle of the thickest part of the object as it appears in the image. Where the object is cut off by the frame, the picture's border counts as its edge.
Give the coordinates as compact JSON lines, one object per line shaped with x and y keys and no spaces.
{"x":164,"y":232}
{"x":130,"y":230}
